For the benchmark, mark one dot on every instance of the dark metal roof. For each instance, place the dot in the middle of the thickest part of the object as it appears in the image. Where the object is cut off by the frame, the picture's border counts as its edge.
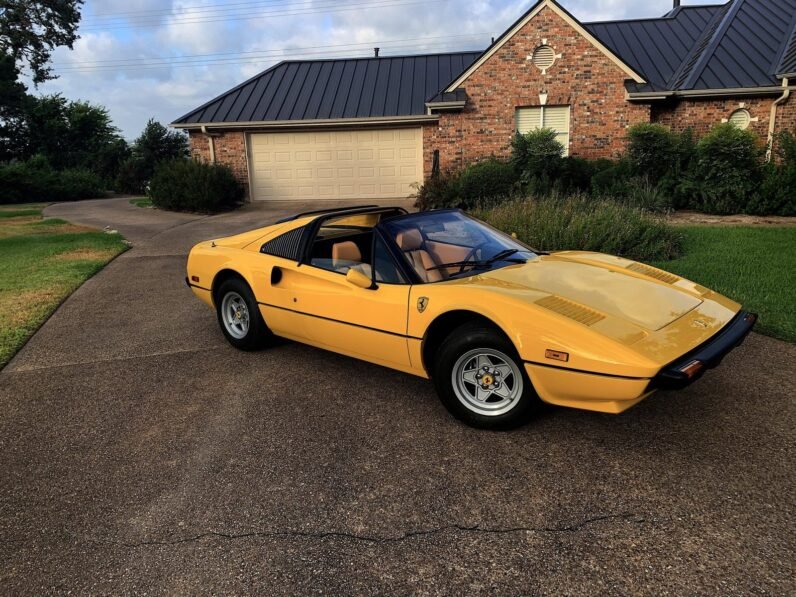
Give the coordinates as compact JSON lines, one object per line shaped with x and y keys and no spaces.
{"x":656,"y":47}
{"x":746,"y":47}
{"x":335,"y":89}
{"x":787,"y":65}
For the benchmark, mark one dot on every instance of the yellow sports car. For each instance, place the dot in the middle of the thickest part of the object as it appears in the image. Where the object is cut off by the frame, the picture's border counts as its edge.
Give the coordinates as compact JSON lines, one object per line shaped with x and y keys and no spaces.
{"x":495,"y":324}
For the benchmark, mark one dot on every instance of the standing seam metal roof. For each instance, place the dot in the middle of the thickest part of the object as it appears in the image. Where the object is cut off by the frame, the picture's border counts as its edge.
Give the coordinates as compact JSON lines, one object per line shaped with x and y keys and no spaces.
{"x":391,"y":86}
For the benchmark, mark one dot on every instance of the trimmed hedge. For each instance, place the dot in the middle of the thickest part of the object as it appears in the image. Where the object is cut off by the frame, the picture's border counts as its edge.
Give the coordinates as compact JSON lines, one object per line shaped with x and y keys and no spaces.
{"x":188,"y":185}
{"x":36,"y":181}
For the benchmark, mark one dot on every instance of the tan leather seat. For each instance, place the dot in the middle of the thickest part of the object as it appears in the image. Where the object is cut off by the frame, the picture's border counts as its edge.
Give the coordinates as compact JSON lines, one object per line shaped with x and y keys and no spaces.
{"x":411,"y":243}
{"x":345,"y":251}
{"x":346,"y":255}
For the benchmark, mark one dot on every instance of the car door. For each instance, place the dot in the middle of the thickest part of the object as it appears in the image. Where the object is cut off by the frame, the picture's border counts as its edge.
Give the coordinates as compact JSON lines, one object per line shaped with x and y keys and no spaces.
{"x":334,"y":314}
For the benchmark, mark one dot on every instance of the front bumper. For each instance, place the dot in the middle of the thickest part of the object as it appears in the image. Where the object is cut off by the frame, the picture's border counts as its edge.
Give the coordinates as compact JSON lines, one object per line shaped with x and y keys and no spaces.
{"x":690,"y":367}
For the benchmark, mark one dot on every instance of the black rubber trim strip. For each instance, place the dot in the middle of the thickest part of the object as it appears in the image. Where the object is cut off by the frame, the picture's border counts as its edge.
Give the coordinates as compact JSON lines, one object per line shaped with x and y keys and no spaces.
{"x":588,"y":372}
{"x":196,"y":286}
{"x":356,"y":325}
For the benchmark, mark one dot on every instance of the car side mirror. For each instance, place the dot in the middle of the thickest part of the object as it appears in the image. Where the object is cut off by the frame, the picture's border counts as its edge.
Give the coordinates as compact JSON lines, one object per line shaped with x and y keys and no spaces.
{"x":357,"y":278}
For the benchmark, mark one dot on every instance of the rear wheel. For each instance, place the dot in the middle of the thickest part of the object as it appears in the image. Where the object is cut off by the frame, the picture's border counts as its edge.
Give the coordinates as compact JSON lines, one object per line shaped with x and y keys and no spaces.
{"x":239,"y":316}
{"x":481,"y":380}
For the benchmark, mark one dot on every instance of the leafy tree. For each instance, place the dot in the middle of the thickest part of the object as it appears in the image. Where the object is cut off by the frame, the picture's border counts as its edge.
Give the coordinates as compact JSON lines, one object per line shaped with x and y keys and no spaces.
{"x":31,"y":29}
{"x":157,"y":144}
{"x":71,"y":134}
{"x":12,"y":99}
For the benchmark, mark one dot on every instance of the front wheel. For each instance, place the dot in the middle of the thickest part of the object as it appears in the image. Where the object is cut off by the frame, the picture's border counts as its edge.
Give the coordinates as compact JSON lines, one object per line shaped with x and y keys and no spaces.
{"x":481,"y":380}
{"x":239,"y":316}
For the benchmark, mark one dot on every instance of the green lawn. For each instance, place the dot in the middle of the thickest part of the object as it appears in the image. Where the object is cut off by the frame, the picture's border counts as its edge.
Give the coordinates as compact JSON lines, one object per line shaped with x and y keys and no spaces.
{"x":141,"y":202}
{"x":42,"y":261}
{"x":755,"y":266}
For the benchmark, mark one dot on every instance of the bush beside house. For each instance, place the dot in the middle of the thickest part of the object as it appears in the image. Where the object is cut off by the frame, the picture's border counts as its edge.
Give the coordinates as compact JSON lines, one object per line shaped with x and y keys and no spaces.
{"x":725,"y":172}
{"x":188,"y":185}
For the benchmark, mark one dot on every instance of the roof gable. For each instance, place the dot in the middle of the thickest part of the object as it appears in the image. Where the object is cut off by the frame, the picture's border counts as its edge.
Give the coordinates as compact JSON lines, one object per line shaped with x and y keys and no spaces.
{"x":657,"y":47}
{"x":522,"y":21}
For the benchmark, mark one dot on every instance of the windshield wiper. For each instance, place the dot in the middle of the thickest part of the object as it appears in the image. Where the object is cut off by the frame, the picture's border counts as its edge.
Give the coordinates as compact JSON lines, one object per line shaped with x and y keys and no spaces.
{"x":501,"y":256}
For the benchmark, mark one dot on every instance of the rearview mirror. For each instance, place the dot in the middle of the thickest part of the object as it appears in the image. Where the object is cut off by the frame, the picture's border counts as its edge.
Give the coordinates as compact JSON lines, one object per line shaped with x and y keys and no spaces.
{"x":357,"y":278}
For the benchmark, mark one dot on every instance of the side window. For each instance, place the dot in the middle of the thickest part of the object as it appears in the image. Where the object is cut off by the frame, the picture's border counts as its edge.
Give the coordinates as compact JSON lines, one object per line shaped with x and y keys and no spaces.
{"x":386,"y":270}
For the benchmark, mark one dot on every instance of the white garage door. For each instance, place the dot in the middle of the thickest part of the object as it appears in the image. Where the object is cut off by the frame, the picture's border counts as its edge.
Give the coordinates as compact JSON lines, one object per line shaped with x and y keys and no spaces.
{"x":336,"y":165}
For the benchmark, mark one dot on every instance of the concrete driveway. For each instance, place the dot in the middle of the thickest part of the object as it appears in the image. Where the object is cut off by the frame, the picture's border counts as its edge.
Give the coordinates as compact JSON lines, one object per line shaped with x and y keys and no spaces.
{"x":139,"y":453}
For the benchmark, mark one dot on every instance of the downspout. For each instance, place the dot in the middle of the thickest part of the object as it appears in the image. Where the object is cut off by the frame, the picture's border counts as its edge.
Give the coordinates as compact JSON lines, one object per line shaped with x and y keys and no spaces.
{"x":211,"y":144}
{"x":772,"y":121}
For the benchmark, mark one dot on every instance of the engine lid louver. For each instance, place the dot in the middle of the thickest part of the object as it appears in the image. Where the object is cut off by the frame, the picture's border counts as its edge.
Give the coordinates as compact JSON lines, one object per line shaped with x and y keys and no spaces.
{"x":653,"y":272}
{"x":571,"y":309}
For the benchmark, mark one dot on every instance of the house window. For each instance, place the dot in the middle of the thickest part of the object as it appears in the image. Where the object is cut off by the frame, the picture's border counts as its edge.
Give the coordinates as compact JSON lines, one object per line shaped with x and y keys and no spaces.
{"x":549,"y":117}
{"x":741,"y":118}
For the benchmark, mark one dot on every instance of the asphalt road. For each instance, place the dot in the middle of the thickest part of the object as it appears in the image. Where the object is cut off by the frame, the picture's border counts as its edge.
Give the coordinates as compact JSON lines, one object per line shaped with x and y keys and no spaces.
{"x":141,"y":454}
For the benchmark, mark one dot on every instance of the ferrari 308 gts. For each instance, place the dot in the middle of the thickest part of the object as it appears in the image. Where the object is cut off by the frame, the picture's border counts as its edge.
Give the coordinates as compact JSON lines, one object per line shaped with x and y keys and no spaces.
{"x":497,"y":325}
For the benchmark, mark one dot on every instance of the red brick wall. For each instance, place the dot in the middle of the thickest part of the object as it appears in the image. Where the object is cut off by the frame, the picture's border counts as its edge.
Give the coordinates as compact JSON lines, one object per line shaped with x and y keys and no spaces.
{"x":230,"y":150}
{"x":701,"y":115}
{"x":583,"y":77}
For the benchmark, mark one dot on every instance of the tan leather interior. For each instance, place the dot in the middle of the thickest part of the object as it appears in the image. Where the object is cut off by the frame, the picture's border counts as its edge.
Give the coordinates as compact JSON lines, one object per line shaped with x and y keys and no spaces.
{"x":345,"y":251}
{"x":411,"y":243}
{"x":445,"y":253}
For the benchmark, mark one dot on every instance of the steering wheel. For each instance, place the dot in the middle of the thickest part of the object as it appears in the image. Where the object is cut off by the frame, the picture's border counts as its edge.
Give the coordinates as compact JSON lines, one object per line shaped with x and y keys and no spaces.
{"x":471,"y":255}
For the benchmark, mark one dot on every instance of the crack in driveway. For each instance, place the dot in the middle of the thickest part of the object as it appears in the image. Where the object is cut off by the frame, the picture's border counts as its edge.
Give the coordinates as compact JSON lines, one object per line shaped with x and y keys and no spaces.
{"x":321,"y":535}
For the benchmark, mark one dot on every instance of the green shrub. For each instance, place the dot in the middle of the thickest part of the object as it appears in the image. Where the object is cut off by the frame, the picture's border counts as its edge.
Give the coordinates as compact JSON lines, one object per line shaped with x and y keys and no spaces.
{"x":537,"y":155}
{"x":131,"y":177}
{"x":612,"y":179}
{"x":188,"y":185}
{"x":580,"y":222}
{"x":727,"y":167}
{"x":439,"y":191}
{"x":36,"y":181}
{"x":478,"y":183}
{"x":487,"y":180}
{"x":652,"y":150}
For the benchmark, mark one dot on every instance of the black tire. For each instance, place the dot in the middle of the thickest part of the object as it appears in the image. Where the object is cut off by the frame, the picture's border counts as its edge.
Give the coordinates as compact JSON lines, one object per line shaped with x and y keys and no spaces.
{"x":257,"y":335}
{"x":463,"y":341}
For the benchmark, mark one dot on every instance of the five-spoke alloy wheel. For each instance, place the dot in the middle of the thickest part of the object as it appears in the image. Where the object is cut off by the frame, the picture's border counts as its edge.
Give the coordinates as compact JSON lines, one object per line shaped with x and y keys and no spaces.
{"x":239,"y":315}
{"x":480,"y":379}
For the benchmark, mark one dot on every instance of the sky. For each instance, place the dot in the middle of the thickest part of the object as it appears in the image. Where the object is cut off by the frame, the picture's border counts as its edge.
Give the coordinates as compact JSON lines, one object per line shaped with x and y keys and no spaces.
{"x":161,"y":58}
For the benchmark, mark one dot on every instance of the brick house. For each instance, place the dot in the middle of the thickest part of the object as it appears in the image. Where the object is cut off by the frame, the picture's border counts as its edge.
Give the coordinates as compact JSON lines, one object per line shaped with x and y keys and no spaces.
{"x":369,"y":128}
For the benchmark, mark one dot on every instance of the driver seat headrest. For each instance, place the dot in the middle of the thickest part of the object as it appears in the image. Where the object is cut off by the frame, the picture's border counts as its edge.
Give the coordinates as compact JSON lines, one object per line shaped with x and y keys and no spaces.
{"x":409,"y":240}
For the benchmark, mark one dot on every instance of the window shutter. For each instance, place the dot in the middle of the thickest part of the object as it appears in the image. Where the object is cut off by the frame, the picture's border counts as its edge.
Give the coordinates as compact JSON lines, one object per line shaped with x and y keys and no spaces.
{"x":557,"y":118}
{"x":528,"y":119}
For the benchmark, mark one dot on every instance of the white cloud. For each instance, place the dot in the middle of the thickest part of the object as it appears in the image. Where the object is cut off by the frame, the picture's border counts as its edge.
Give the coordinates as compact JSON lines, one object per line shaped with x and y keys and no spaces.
{"x":135,"y":94}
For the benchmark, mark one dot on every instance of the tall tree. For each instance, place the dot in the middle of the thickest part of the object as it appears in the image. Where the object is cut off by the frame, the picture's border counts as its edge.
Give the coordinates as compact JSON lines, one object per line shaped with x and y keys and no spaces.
{"x":157,"y":143}
{"x":31,"y":29}
{"x":12,"y":102}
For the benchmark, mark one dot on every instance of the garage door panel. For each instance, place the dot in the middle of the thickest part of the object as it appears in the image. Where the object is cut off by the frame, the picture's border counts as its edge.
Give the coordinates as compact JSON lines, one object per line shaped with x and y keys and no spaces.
{"x":331,"y":165}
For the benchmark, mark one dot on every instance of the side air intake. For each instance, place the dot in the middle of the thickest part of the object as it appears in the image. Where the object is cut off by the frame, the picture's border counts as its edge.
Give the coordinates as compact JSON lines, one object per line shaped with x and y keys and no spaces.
{"x":574,"y":311}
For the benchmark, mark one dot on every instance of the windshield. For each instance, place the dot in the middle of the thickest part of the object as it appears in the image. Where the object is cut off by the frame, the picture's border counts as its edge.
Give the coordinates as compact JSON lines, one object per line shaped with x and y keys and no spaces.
{"x":441,"y":245}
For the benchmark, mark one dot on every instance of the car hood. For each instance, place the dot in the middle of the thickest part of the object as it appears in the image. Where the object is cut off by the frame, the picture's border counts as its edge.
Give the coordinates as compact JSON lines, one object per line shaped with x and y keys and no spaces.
{"x":610,"y":286}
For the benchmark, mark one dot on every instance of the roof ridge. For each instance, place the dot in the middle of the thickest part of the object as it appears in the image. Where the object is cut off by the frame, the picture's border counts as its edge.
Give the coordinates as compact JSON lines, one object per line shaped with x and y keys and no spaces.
{"x":698,"y":57}
{"x":382,"y":57}
{"x":788,"y":48}
{"x":669,"y":16}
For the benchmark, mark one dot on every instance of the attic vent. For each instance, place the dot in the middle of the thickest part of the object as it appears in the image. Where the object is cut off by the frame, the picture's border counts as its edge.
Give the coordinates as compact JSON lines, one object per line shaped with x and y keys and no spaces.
{"x":741,"y":118}
{"x":653,"y":272}
{"x":571,"y":309}
{"x":543,"y":57}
